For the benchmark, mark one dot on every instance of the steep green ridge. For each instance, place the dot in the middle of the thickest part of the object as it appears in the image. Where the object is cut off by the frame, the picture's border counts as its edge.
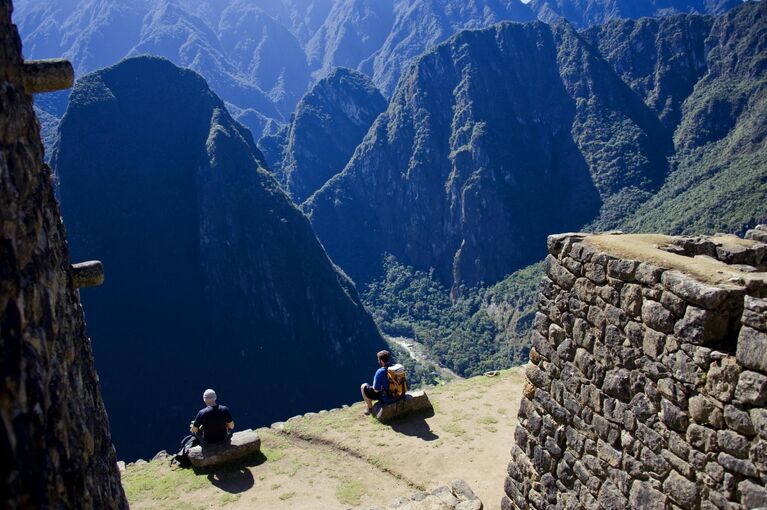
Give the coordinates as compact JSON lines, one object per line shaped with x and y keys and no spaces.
{"x":214,"y":278}
{"x":329,"y":122}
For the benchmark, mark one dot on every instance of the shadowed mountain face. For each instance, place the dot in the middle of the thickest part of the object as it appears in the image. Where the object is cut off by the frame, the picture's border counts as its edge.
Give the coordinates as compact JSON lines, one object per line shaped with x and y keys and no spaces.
{"x":492,"y":141}
{"x":329,"y":123}
{"x":214,"y":278}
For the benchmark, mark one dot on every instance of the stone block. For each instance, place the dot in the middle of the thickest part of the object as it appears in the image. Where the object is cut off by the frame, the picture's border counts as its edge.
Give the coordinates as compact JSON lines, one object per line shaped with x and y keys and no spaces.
{"x":700,"y":326}
{"x":413,"y":402}
{"x":241,"y":444}
{"x":751,"y":388}
{"x":739,"y":420}
{"x":693,"y":291}
{"x":759,"y":419}
{"x":681,"y":490}
{"x":617,"y":383}
{"x":610,"y":497}
{"x":657,"y":317}
{"x":643,"y":495}
{"x":752,"y":495}
{"x":738,"y":466}
{"x":752,"y":349}
{"x":87,"y":274}
{"x":622,"y":269}
{"x":558,"y":274}
{"x":733,"y":443}
{"x":722,"y":378}
{"x":704,"y":411}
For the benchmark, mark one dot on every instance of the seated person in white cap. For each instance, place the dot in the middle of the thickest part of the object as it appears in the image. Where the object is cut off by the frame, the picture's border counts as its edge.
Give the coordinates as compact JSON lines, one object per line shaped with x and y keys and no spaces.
{"x":214,"y":422}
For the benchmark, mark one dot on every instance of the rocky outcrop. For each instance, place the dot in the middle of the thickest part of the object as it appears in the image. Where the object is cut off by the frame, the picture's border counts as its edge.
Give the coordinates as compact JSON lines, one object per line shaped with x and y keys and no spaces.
{"x":54,"y":437}
{"x":647,"y":386}
{"x":329,"y":123}
{"x":458,"y":496}
{"x":210,"y":267}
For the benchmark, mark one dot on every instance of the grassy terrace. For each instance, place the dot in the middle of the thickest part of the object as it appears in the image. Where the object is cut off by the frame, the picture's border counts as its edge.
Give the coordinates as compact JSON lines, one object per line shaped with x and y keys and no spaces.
{"x":344,"y":459}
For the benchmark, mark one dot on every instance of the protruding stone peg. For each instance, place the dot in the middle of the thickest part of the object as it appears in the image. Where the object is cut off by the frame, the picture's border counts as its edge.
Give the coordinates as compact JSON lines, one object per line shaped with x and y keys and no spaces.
{"x":47,"y":75}
{"x":88,"y":274}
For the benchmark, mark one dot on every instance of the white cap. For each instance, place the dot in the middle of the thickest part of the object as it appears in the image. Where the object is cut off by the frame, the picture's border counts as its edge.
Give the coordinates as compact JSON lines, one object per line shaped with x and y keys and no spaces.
{"x":209,"y":395}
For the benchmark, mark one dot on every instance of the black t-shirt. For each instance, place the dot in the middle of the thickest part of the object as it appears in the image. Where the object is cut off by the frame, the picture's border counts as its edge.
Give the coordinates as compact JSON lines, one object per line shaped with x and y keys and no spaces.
{"x":213,"y":420}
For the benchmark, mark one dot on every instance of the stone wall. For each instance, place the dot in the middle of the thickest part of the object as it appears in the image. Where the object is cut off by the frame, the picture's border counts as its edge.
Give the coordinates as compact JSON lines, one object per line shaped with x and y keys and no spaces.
{"x":55,"y":449}
{"x":648,"y":377}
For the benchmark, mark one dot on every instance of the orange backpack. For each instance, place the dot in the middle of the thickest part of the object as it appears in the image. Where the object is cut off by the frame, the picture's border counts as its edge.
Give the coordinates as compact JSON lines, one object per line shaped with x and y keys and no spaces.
{"x":397,"y":381}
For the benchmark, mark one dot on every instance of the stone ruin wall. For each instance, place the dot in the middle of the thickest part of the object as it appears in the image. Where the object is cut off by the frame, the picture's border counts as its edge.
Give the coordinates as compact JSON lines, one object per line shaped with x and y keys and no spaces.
{"x":647,"y":384}
{"x":55,"y":448}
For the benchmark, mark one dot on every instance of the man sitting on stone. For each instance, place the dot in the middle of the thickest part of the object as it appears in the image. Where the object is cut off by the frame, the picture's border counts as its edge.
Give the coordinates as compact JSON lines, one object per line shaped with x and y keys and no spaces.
{"x":214,"y":423}
{"x":380,"y":388}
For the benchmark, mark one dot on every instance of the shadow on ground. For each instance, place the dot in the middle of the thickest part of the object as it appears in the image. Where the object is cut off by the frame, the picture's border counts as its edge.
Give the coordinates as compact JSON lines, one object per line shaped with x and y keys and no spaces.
{"x":234,"y":478}
{"x":415,"y":425}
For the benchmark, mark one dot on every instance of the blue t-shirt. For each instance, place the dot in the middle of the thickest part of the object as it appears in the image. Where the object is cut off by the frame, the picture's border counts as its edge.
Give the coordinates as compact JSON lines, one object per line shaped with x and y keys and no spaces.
{"x":381,"y":383}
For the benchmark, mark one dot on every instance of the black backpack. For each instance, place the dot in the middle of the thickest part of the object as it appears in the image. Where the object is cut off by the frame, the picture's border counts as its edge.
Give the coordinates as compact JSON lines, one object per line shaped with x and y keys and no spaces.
{"x":182,"y":457}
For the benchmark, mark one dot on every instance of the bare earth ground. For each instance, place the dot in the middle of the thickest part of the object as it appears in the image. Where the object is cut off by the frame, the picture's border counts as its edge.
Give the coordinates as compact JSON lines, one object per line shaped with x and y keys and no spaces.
{"x":343,"y":459}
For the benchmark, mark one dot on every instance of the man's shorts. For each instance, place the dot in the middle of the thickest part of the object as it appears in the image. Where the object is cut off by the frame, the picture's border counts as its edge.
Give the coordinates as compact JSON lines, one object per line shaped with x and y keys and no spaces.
{"x":371,"y":393}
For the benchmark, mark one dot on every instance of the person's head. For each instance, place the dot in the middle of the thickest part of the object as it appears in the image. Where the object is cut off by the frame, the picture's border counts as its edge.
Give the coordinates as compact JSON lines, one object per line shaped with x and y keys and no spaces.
{"x":383,"y":357}
{"x":209,"y":397}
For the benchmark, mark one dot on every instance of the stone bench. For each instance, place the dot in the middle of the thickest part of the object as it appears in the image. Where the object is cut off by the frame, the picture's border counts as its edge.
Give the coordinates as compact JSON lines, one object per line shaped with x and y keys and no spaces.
{"x":241,"y":444}
{"x":413,"y":401}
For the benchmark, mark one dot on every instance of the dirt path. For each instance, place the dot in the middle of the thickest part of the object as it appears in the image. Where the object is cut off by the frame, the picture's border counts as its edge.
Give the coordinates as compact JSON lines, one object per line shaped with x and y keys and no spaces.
{"x":343,"y":459}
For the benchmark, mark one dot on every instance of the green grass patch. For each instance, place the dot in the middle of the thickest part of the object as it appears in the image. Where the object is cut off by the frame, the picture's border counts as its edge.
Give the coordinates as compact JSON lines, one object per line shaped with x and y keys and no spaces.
{"x":488,"y":420}
{"x":350,"y":492}
{"x":287,"y":496}
{"x":229,"y":498}
{"x":159,"y":483}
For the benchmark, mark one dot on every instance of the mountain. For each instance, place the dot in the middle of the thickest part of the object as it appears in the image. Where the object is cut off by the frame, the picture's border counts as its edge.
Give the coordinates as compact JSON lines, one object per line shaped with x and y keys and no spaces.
{"x":704,"y":79}
{"x":214,"y":278}
{"x":585,"y":13}
{"x":719,"y":182}
{"x":329,"y":123}
{"x":482,"y":136}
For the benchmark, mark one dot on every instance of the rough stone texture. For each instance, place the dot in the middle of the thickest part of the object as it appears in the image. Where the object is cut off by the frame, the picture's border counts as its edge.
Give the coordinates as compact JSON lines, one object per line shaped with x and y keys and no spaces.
{"x":458,"y":496}
{"x":88,"y":274}
{"x":414,"y":401}
{"x":241,"y":444}
{"x":55,"y":445}
{"x":662,"y":403}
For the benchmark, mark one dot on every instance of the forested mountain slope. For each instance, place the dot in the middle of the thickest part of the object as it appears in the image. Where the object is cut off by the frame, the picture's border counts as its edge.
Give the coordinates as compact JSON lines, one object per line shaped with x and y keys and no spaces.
{"x":214,"y":278}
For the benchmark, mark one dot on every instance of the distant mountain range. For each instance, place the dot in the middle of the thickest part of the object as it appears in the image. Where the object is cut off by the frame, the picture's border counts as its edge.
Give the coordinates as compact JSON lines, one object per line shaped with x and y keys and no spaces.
{"x":502,"y":136}
{"x":262,"y":56}
{"x":213,"y":277}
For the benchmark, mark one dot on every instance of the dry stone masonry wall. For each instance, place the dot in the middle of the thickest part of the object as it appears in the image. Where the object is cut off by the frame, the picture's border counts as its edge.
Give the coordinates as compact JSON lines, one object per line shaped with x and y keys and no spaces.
{"x":55,"y":448}
{"x":647,"y":386}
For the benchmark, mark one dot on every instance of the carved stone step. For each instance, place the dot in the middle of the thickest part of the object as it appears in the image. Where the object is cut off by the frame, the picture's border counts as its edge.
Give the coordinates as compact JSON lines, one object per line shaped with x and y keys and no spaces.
{"x":88,"y":274}
{"x":47,"y":75}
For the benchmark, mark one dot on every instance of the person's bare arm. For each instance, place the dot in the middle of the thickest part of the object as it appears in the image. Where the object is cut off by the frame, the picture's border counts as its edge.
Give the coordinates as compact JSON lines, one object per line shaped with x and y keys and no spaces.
{"x":230,"y":425}
{"x":193,"y":429}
